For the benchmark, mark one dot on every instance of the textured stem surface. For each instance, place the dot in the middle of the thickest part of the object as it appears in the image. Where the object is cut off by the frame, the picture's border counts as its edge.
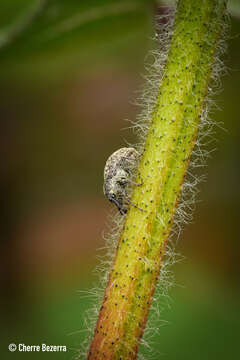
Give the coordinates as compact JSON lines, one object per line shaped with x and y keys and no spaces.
{"x":162,"y":168}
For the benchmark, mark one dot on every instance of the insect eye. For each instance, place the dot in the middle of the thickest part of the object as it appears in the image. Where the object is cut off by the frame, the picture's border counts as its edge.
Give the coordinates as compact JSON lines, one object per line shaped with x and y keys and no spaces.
{"x":122,"y":181}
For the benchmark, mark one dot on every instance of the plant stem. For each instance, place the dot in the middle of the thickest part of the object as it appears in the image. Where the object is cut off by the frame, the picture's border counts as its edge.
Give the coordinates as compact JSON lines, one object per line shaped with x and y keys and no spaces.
{"x":162,"y":168}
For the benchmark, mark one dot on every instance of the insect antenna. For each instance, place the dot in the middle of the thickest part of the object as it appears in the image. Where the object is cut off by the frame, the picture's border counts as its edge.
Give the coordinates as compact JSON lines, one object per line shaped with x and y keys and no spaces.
{"x":119,"y":206}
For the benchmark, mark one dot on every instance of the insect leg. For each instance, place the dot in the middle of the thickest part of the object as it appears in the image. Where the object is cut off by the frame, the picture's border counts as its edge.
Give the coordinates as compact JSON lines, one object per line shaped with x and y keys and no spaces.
{"x":134,"y":183}
{"x":129,"y":202}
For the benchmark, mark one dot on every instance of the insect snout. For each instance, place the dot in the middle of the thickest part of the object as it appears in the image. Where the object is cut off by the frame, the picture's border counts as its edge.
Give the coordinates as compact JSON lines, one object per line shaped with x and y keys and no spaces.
{"x":120,"y":207}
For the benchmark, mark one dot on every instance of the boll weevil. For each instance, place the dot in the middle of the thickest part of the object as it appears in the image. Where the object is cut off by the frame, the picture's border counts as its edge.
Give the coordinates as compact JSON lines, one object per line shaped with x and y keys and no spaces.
{"x":117,"y":176}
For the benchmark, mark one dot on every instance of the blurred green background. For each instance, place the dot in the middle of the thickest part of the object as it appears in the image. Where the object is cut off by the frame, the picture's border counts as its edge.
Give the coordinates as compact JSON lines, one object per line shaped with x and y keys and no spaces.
{"x":68,"y":83}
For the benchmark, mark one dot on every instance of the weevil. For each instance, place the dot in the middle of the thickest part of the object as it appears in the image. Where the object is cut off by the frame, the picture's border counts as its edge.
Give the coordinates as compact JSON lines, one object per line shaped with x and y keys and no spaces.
{"x":117,"y":172}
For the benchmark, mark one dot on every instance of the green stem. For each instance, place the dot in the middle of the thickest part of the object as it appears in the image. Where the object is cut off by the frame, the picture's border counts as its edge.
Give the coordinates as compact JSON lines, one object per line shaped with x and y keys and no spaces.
{"x":162,"y":168}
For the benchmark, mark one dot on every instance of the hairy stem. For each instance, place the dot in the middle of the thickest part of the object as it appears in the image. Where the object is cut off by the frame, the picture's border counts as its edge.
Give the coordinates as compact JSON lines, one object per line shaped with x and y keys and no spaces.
{"x":162,"y":168}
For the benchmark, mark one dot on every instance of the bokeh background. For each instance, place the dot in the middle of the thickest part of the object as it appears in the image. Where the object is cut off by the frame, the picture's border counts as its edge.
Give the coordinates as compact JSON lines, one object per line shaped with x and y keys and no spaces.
{"x":69,"y":79}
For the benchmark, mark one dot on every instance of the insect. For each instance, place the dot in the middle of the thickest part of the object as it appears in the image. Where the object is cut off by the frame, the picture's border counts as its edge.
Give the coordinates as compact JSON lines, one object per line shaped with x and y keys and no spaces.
{"x":117,"y":173}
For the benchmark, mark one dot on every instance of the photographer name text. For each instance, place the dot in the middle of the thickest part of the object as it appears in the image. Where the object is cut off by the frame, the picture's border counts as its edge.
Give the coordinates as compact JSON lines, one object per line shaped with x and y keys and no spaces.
{"x":38,"y":348}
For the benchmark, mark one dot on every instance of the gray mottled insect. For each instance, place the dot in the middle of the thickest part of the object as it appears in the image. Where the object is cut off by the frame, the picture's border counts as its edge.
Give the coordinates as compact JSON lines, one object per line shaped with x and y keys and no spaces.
{"x":117,"y":173}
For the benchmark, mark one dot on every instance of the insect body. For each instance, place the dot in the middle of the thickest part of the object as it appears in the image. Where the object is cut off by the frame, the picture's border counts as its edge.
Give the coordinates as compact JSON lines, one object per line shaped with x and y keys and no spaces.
{"x":117,"y":173}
